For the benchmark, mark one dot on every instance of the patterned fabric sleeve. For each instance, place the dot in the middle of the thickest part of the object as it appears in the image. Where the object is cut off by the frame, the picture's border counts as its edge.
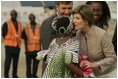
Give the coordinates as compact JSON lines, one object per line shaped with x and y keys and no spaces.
{"x":71,"y":57}
{"x":71,"y":54}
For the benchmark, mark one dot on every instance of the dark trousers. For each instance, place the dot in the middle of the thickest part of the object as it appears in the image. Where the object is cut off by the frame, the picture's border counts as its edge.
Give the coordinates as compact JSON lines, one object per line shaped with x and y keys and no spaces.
{"x":11,"y":53}
{"x":31,"y":71}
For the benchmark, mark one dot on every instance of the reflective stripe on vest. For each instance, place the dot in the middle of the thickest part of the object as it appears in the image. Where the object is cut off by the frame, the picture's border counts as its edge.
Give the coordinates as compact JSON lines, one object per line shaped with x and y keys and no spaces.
{"x":12,"y":37}
{"x":33,"y":39}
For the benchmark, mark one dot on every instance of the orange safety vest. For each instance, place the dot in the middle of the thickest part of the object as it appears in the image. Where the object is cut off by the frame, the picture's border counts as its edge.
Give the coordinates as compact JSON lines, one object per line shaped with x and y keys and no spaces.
{"x":12,"y":37}
{"x":33,"y":39}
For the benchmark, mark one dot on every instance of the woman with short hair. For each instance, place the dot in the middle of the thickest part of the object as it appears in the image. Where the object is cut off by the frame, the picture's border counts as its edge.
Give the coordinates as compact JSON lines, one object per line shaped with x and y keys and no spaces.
{"x":94,"y":43}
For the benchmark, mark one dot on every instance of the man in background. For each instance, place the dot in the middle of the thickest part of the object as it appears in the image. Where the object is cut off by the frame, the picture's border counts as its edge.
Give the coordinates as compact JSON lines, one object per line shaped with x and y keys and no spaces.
{"x":11,"y":32}
{"x":31,"y":37}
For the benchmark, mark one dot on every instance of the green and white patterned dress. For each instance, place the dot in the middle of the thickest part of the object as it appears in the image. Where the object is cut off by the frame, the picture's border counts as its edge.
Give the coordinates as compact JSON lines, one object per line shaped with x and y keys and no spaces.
{"x":59,"y":57}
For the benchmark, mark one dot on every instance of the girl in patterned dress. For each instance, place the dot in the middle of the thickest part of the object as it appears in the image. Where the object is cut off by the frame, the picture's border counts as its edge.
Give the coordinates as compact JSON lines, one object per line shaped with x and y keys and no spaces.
{"x":62,"y":55}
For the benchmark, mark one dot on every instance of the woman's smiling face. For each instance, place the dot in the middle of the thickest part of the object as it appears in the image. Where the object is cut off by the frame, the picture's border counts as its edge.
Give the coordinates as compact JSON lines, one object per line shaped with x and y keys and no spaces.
{"x":97,"y":9}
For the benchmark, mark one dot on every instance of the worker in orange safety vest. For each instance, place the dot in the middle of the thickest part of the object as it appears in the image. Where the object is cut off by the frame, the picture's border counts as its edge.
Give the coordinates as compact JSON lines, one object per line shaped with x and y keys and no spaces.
{"x":11,"y":32}
{"x":31,"y":36}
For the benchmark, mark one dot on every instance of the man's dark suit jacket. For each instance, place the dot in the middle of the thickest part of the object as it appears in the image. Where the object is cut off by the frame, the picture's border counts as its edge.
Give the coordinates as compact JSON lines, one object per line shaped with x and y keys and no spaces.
{"x":47,"y":33}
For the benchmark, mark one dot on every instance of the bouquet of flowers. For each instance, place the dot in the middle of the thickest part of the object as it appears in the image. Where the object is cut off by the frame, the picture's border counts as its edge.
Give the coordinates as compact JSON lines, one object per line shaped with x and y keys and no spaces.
{"x":88,"y":73}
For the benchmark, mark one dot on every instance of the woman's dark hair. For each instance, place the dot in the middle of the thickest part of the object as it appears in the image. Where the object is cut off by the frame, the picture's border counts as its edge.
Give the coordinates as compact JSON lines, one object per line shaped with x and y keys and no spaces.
{"x":86,"y":13}
{"x":105,"y":9}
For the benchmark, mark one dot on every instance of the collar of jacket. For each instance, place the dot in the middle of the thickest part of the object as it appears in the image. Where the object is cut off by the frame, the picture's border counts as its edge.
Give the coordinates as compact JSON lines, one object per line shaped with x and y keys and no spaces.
{"x":89,"y":33}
